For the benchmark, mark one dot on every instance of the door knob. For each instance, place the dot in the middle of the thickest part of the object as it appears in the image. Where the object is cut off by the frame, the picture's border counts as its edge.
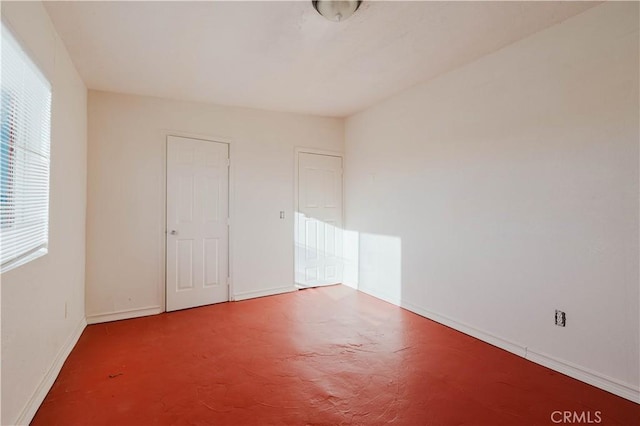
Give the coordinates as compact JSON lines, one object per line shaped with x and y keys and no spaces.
{"x":173,"y":232}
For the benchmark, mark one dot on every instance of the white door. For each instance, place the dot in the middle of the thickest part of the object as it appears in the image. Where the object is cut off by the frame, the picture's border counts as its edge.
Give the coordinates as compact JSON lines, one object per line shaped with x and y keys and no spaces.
{"x":197,"y":222}
{"x":319,"y":220}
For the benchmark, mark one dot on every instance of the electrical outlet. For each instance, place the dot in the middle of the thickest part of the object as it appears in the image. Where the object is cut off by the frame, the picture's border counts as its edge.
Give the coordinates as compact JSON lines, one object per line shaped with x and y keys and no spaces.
{"x":561,"y":318}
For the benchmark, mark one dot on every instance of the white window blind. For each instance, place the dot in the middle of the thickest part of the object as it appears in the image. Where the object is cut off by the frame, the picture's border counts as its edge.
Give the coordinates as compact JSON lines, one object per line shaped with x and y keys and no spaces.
{"x":25,"y":114}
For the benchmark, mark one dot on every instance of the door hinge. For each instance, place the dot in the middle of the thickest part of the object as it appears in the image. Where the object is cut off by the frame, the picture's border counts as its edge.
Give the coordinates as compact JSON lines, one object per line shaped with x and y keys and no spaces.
{"x":228,"y":221}
{"x":228,"y":162}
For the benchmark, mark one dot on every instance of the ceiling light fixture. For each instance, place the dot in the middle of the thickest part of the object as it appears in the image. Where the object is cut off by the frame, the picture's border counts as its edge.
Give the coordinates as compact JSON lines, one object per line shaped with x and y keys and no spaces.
{"x":336,"y":10}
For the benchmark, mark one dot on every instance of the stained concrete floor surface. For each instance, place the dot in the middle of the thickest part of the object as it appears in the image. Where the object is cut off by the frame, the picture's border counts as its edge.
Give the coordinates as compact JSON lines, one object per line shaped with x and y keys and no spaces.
{"x":325,"y":356}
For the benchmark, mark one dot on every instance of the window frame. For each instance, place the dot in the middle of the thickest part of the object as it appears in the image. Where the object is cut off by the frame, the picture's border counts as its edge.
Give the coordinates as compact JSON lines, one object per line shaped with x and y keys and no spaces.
{"x":25,"y":156}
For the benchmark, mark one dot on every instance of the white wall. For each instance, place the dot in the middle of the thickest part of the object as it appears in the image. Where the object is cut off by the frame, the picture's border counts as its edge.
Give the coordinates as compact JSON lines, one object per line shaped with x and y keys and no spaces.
{"x":496,"y":193}
{"x":126,"y":195}
{"x":36,"y":333}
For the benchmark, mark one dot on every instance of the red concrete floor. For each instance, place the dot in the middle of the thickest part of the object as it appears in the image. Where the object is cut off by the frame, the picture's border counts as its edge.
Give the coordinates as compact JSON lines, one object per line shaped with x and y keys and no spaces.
{"x":326,"y":356}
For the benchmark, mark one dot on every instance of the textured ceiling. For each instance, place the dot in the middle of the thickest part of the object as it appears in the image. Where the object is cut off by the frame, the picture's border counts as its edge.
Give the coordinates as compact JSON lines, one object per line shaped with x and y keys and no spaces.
{"x":283,"y":55}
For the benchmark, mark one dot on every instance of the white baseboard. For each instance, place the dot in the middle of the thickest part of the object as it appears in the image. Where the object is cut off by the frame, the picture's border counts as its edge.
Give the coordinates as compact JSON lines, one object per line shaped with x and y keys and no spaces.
{"x":351,"y":284}
{"x":616,"y":387}
{"x":124,"y":314}
{"x":583,"y":374}
{"x":381,"y":296}
{"x":32,"y":405}
{"x":500,"y":342}
{"x":261,"y":293}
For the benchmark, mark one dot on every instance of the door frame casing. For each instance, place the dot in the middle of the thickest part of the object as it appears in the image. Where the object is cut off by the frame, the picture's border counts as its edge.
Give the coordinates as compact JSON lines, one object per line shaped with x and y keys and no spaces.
{"x":231,"y":197}
{"x":302,"y":150}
